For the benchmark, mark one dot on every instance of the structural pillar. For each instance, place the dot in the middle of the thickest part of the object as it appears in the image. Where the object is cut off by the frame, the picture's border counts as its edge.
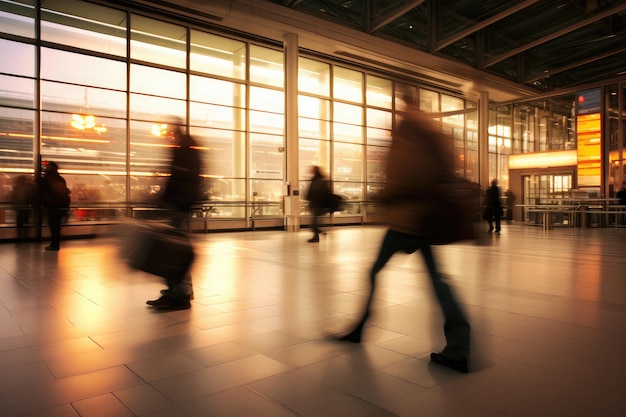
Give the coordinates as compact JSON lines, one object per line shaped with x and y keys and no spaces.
{"x":292,"y":188}
{"x":483,"y":139}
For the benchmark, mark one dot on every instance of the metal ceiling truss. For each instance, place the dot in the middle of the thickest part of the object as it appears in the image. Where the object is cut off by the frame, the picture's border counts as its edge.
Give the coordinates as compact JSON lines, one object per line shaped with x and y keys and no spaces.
{"x":595,"y":28}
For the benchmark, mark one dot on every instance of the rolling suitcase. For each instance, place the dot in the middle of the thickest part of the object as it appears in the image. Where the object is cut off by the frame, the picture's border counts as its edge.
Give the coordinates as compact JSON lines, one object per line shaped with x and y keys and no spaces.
{"x":160,"y":250}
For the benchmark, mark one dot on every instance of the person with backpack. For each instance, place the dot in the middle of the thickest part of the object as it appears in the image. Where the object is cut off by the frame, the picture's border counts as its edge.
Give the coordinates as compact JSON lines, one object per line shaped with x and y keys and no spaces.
{"x":55,"y":199}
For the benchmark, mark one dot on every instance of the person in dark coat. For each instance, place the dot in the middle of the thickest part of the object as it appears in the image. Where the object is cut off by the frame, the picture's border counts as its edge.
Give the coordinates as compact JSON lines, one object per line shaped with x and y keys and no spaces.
{"x":55,"y":200}
{"x":317,"y":196}
{"x":181,"y":190}
{"x":493,"y":206}
{"x":419,"y":162}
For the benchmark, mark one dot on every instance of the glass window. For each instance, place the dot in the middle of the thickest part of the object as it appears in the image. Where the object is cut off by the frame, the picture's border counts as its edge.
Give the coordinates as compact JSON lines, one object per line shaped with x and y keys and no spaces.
{"x":212,"y":54}
{"x":313,"y":128}
{"x":266,"y":191}
{"x":17,"y":91}
{"x":84,"y":25}
{"x":347,"y":113}
{"x":348,"y":133}
{"x":88,"y":100}
{"x":17,"y":58}
{"x":348,"y":162}
{"x":429,"y":101}
{"x":379,"y":137}
{"x":149,"y":150}
{"x":156,"y":108}
{"x":455,"y":124}
{"x":376,"y":163}
{"x":16,"y":139}
{"x":158,"y":82}
{"x":313,"y":152}
{"x":379,"y":92}
{"x":226,"y":151}
{"x":218,"y":117}
{"x":17,"y":17}
{"x":82,"y":69}
{"x":313,"y":77}
{"x":89,"y":188}
{"x":266,"y":66}
{"x":313,"y":108}
{"x":264,"y":122}
{"x":351,"y":190}
{"x":211,"y":90}
{"x":403,"y":90}
{"x":99,"y":145}
{"x":266,"y":161}
{"x":379,"y":118}
{"x":158,"y":42}
{"x":267,"y":99}
{"x":348,"y":85}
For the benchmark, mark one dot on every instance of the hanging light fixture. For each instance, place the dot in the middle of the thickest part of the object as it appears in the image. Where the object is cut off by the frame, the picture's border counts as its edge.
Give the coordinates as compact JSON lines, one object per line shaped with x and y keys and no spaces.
{"x":84,"y":120}
{"x":159,"y":129}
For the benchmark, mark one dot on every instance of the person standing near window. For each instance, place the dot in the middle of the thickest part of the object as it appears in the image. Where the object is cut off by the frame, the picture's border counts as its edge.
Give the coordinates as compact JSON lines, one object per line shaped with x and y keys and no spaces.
{"x":493,"y":206}
{"x":55,"y":199}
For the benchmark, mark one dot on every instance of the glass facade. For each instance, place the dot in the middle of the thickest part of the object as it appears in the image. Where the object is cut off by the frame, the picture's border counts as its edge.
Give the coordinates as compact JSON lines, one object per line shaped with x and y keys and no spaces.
{"x":95,"y":88}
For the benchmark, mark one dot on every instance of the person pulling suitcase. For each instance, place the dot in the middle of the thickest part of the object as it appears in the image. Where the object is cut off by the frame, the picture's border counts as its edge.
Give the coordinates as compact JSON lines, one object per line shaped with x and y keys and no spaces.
{"x":181,"y":190}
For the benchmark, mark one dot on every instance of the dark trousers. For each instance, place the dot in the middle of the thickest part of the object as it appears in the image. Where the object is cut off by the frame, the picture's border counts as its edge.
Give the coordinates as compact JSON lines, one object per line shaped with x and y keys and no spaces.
{"x":456,"y":327}
{"x":179,"y":288}
{"x":495,"y":216}
{"x":315,"y":224}
{"x":55,"y":218}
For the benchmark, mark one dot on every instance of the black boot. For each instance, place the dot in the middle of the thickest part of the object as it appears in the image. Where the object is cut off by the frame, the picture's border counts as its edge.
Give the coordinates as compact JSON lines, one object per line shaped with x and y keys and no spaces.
{"x":356,"y":334}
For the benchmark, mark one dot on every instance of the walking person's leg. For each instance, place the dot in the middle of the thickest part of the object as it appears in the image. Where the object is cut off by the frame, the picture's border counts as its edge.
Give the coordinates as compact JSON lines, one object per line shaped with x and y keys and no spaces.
{"x":392,"y":243}
{"x":54,"y":222}
{"x":456,"y":327}
{"x":315,"y":226}
{"x":498,"y":219}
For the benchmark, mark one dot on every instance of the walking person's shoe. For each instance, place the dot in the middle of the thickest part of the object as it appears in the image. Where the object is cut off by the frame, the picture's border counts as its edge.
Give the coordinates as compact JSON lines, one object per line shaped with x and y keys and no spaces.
{"x":456,"y":364}
{"x":166,"y":302}
{"x":314,"y":239}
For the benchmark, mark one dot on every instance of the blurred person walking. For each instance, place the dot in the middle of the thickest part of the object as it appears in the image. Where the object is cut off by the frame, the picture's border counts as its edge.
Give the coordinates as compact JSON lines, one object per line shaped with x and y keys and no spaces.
{"x":181,"y":190}
{"x":23,"y":197}
{"x":55,"y":199}
{"x":419,"y":170}
{"x":317,"y":196}
{"x":493,"y":206}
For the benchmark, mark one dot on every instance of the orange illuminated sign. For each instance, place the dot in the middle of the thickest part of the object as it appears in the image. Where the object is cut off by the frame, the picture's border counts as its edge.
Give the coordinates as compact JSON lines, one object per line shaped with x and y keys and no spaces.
{"x":589,"y":131}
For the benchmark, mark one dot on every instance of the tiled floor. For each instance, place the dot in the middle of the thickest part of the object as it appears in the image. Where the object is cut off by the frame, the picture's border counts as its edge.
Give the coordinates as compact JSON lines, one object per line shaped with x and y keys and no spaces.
{"x":548,"y":311}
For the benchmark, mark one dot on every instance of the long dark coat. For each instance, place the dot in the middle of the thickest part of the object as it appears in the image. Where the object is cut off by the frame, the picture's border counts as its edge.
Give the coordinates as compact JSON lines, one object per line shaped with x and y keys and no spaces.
{"x":419,"y":162}
{"x":182,"y":188}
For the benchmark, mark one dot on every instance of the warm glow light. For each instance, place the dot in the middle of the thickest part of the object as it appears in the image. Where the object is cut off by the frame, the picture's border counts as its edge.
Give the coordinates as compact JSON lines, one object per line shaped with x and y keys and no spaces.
{"x":64,"y":139}
{"x":159,"y":129}
{"x":83,"y":122}
{"x":543,"y":160}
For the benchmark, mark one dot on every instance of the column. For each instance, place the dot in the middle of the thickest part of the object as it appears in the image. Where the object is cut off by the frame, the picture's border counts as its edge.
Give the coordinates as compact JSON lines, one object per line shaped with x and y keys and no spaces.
{"x":483,"y":139}
{"x":292,"y":190}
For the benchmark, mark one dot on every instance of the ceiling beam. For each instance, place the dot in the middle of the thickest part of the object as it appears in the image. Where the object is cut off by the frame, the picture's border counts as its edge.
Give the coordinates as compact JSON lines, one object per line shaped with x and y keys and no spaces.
{"x":552,"y":36}
{"x":483,"y":24}
{"x":377,"y":24}
{"x":589,"y":60}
